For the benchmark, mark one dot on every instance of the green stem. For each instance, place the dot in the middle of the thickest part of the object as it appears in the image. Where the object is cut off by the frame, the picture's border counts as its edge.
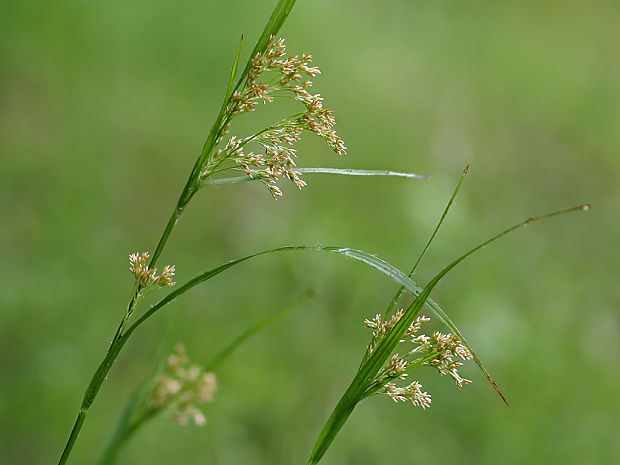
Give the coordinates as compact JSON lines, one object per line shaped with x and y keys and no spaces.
{"x":91,"y":392}
{"x":118,"y":341}
{"x":174,"y":218}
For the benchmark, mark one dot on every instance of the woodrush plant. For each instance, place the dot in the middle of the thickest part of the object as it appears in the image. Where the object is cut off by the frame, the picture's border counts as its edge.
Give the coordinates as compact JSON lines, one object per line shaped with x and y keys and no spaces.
{"x":267,"y":76}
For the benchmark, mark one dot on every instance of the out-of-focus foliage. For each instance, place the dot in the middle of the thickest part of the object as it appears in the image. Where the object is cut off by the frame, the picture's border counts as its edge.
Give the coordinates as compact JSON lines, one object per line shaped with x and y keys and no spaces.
{"x":104,"y":107}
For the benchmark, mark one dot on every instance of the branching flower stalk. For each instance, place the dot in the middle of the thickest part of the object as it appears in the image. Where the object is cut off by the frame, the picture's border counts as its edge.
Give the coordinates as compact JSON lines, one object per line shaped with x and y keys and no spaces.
{"x":146,"y":278}
{"x":283,"y":78}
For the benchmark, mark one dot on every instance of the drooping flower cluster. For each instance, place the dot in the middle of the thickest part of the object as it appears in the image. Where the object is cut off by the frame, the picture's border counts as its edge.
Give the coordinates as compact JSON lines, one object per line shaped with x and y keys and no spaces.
{"x":283,"y":77}
{"x":412,"y":392}
{"x":444,"y":352}
{"x":146,"y":276}
{"x":182,"y":387}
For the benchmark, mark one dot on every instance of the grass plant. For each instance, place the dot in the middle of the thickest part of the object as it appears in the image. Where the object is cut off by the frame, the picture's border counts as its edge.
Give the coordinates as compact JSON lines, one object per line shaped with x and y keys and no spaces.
{"x":266,"y":157}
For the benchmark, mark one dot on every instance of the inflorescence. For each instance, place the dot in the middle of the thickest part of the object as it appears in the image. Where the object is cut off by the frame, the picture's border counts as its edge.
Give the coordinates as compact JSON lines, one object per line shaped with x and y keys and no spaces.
{"x":182,"y":387}
{"x":444,"y":352}
{"x":271,"y":76}
{"x":147,"y":277}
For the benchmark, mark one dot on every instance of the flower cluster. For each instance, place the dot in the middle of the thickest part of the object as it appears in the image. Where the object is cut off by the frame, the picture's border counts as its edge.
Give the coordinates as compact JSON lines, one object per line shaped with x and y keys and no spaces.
{"x":412,"y":392}
{"x":182,"y":387}
{"x":146,"y":276}
{"x":290,"y":75}
{"x":382,"y":328}
{"x":284,"y":77}
{"x":448,"y":351}
{"x":444,"y":352}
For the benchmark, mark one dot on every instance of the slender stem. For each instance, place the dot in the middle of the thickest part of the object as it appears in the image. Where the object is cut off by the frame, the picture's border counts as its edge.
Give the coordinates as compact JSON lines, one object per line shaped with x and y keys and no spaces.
{"x":74,"y":435}
{"x":174,"y":218}
{"x":91,"y":393}
{"x":118,"y":341}
{"x":93,"y":389}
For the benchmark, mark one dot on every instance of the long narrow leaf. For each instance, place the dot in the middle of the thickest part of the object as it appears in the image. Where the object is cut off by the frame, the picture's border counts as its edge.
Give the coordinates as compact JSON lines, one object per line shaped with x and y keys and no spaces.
{"x":346,"y":172}
{"x":254,"y":329}
{"x":367,"y":373}
{"x":359,"y":255}
{"x":394,"y":300}
{"x":233,"y":71}
{"x":353,"y":172}
{"x":275,"y":22}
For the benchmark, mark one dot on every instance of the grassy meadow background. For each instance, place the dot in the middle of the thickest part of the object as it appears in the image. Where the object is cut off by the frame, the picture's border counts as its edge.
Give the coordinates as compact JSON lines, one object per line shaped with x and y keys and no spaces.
{"x":103,"y":109}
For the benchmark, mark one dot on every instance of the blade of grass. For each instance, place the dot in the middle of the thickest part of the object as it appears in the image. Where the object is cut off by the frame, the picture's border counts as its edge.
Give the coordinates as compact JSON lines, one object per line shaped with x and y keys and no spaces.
{"x":394,"y":300}
{"x":275,"y":22}
{"x":346,"y":172}
{"x":359,"y":255}
{"x":233,"y":71}
{"x":256,"y":328}
{"x":367,"y":372}
{"x":353,"y":172}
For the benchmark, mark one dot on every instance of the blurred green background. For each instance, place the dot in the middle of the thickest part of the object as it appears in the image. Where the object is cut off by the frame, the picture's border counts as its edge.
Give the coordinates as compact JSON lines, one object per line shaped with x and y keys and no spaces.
{"x":103,"y":109}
